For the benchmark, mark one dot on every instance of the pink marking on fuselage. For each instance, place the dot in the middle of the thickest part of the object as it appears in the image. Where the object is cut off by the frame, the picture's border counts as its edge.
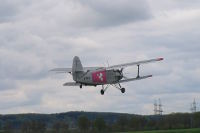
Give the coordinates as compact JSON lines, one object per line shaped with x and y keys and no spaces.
{"x":99,"y":76}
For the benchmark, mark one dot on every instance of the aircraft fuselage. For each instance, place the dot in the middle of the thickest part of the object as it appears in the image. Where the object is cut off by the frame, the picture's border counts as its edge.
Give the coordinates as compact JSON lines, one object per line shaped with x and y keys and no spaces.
{"x":99,"y":77}
{"x":105,"y":76}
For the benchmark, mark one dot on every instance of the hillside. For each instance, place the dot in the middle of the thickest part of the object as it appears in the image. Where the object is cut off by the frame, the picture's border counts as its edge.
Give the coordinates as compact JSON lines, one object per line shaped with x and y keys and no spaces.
{"x":69,"y":117}
{"x":99,"y":120}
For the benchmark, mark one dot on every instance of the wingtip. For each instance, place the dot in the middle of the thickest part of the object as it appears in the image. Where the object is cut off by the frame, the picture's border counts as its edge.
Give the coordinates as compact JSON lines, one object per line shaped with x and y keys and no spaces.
{"x":159,"y":59}
{"x":50,"y":70}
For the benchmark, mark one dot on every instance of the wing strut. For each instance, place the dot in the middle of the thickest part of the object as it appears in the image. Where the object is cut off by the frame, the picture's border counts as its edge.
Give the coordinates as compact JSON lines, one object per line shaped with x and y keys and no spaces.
{"x":138,"y":74}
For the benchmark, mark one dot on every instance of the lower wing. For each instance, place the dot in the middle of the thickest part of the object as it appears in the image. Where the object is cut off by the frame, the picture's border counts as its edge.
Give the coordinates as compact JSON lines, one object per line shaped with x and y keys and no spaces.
{"x":121,"y":81}
{"x":137,"y":78}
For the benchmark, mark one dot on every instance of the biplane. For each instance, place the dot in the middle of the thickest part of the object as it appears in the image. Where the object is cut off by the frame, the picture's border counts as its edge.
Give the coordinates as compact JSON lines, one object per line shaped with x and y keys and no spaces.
{"x":104,"y":76}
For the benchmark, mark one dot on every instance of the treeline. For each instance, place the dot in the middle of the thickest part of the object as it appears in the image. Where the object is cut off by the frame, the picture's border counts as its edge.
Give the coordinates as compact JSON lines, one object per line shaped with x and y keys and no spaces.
{"x":91,"y":123}
{"x":84,"y":125}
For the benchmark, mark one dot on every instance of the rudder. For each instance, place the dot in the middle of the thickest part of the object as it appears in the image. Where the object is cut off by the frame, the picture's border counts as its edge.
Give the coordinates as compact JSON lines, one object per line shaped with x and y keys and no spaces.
{"x":77,"y":68}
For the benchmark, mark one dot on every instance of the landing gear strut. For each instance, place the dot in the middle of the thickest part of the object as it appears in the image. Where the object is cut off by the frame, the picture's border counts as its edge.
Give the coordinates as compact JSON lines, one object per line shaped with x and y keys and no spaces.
{"x":118,"y":86}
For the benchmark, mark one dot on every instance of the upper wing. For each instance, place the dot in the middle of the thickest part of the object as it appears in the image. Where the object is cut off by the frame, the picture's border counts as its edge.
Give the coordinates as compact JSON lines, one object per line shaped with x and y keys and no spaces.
{"x":69,"y":70}
{"x":135,"y":63}
{"x":92,"y":68}
{"x":137,"y":78}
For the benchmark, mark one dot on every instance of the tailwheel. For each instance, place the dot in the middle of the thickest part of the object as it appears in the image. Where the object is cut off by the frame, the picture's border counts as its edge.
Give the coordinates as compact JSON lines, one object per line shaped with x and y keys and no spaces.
{"x":122,"y":90}
{"x":102,"y":92}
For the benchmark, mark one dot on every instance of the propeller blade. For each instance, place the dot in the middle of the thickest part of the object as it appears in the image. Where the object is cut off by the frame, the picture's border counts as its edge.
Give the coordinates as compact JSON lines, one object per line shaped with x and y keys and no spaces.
{"x":125,"y":77}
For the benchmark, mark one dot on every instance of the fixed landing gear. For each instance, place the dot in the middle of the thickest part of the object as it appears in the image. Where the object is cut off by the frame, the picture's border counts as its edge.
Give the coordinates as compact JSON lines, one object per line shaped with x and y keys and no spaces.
{"x":118,"y":86}
{"x":104,"y":89}
{"x":80,"y":85}
{"x":102,"y":92}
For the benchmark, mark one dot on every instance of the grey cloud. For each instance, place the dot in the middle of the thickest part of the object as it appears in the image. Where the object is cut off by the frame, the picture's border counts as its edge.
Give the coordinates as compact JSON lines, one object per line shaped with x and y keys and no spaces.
{"x":119,"y":11}
{"x":170,"y":5}
{"x":79,"y":15}
{"x":6,"y":84}
{"x":7,"y":10}
{"x":11,"y":9}
{"x":24,"y":102}
{"x":18,"y":66}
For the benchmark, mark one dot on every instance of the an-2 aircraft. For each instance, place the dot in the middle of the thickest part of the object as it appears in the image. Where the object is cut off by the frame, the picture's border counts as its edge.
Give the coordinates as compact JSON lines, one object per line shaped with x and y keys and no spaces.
{"x":105,"y":76}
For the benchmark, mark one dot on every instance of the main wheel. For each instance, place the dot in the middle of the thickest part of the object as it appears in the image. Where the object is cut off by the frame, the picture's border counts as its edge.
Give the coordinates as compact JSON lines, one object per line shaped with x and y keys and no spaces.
{"x":102,"y":91}
{"x":81,"y":86}
{"x":122,"y":90}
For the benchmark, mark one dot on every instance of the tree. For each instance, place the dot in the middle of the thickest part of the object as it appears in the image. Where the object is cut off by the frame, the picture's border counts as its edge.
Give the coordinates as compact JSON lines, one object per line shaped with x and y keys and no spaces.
{"x":122,"y":122}
{"x":8,"y":127}
{"x":141,"y":123}
{"x":26,"y":127}
{"x":100,"y":124}
{"x":40,"y":127}
{"x":83,"y":123}
{"x":33,"y":126}
{"x":134,"y":123}
{"x":196,"y":119}
{"x":60,"y":127}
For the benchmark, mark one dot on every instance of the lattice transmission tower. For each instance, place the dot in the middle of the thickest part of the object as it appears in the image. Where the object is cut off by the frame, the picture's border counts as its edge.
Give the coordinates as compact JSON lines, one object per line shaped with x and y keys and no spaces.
{"x":158,"y":107}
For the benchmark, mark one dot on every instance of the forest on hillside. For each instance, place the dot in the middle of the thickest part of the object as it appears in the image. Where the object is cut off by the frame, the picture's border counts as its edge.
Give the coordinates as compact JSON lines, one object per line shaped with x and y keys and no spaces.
{"x":91,"y":122}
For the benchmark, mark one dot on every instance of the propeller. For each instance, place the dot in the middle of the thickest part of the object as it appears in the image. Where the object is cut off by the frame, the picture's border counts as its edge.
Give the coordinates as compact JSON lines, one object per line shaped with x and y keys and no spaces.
{"x":125,"y":77}
{"x":121,"y":72}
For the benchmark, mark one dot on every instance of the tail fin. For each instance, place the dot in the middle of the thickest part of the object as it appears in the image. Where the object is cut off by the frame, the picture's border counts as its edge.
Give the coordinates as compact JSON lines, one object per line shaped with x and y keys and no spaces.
{"x":77,"y":68}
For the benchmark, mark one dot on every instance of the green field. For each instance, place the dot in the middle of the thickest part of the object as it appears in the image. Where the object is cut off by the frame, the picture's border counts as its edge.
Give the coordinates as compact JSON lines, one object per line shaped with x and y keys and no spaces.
{"x":195,"y":130}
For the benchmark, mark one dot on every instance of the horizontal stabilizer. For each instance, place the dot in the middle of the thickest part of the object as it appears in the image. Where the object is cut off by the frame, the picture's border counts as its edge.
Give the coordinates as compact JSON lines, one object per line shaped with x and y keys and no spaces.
{"x":62,"y":70}
{"x":137,"y":78}
{"x":69,"y":70}
{"x":71,"y":84}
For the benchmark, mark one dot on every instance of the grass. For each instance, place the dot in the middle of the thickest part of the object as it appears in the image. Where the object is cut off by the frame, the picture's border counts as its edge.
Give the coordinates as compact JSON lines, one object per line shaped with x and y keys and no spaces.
{"x":194,"y":130}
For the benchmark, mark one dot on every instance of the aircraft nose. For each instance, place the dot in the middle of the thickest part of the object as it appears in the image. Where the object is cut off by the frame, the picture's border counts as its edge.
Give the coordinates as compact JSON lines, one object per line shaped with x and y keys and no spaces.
{"x":119,"y":74}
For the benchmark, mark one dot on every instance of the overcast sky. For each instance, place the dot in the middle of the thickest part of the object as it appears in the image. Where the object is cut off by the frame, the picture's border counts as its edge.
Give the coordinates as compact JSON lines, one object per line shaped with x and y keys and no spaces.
{"x":36,"y":36}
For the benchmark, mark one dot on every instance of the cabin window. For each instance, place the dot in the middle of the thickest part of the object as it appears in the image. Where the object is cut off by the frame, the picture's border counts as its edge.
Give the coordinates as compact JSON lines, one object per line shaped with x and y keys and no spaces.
{"x":86,"y":78}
